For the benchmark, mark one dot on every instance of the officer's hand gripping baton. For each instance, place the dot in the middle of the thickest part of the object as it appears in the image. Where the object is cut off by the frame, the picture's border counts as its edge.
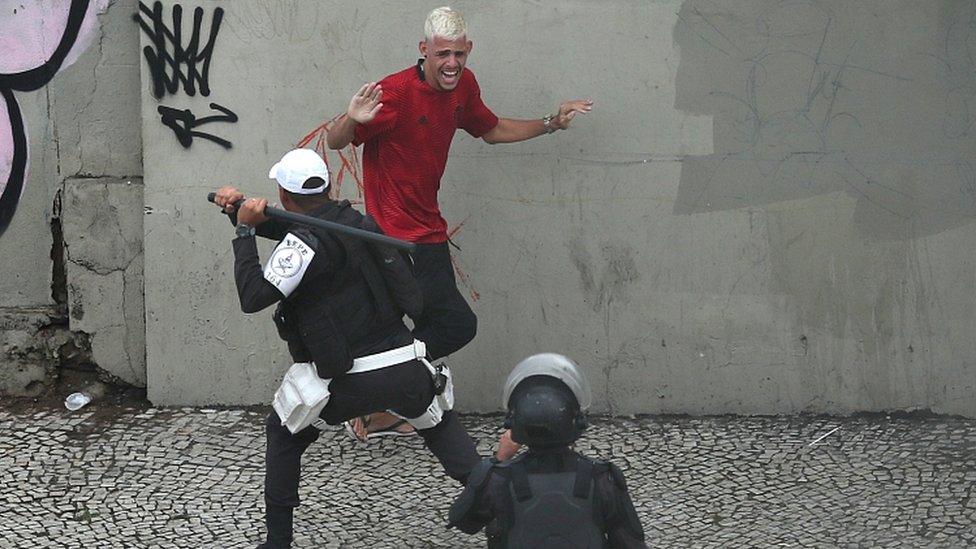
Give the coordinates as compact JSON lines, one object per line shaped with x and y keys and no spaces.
{"x":283,"y":215}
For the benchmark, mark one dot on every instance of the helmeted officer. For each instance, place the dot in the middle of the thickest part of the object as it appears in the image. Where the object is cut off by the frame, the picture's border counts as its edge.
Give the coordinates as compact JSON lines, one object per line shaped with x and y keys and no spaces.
{"x":549,"y":496}
{"x":341,"y":305}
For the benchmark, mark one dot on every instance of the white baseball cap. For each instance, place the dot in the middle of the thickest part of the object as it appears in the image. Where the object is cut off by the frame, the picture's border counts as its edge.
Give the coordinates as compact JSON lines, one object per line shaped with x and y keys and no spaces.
{"x":296,"y":167}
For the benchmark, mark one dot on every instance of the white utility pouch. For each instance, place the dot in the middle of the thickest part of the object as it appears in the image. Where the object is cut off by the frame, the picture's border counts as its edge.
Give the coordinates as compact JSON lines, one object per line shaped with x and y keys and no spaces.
{"x":300,"y":398}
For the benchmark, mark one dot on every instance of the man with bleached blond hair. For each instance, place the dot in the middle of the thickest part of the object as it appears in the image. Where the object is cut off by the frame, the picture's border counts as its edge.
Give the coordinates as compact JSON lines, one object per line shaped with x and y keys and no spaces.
{"x":405,"y":123}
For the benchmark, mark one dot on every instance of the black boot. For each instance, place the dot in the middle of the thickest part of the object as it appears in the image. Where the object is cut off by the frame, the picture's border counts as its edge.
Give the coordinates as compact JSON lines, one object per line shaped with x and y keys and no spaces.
{"x":279,"y":523}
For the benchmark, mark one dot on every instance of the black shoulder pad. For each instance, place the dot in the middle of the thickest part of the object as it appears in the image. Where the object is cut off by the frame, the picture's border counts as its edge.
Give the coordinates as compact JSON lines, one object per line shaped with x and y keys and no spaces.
{"x":479,"y":475}
{"x":618,"y":477}
{"x":599,"y":465}
{"x":468,"y":500}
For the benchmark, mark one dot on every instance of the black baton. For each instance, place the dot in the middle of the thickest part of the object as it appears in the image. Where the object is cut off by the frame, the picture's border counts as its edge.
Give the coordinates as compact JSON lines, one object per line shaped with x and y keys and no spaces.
{"x":275,"y":213}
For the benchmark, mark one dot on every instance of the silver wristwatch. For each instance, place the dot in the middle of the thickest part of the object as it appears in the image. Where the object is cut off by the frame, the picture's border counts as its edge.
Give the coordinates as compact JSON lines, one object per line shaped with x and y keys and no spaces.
{"x":243,"y":230}
{"x":547,"y":123}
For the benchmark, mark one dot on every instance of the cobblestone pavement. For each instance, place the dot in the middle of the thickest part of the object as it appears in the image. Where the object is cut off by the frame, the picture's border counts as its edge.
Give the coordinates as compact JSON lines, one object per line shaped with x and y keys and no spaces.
{"x":110,"y":477}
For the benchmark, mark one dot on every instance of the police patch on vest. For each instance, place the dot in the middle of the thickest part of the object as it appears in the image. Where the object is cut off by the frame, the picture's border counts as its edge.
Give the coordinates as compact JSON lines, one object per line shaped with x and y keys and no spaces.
{"x":288,"y":264}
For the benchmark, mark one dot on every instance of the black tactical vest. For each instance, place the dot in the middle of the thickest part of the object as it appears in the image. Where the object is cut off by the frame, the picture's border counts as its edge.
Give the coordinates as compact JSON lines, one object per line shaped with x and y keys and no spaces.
{"x":346,"y":312}
{"x":552,"y":510}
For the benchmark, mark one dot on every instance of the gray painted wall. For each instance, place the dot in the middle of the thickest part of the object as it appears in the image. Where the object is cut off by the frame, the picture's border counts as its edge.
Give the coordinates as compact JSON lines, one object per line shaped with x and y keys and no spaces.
{"x":768,"y":210}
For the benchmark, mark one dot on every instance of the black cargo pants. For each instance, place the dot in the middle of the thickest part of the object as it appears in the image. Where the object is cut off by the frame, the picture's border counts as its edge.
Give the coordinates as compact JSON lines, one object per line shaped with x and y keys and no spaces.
{"x":406,"y":389}
{"x":447,"y":323}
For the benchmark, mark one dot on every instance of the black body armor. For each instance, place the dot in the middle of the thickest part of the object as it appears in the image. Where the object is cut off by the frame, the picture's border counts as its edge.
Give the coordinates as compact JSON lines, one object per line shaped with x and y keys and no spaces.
{"x":353,"y":309}
{"x":552,"y":510}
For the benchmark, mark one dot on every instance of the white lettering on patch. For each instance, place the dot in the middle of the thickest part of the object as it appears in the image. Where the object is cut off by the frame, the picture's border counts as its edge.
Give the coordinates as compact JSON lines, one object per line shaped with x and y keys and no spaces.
{"x":288,"y":264}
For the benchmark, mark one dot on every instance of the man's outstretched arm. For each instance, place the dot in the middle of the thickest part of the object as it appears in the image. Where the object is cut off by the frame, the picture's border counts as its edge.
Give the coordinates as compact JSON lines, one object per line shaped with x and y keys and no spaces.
{"x":510,"y":130}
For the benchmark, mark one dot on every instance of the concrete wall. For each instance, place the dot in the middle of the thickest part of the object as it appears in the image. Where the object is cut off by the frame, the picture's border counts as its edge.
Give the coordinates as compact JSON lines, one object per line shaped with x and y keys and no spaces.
{"x":78,"y":223}
{"x":766,"y":212}
{"x":843,"y":136}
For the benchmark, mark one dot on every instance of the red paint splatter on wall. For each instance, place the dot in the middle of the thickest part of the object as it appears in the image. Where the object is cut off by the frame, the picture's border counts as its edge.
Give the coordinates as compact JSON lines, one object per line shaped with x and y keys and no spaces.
{"x":462,"y":276}
{"x":348,"y":159}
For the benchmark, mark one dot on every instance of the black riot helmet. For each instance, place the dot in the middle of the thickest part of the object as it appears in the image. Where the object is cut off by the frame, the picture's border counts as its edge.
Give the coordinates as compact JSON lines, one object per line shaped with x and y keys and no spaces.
{"x":546,"y":396}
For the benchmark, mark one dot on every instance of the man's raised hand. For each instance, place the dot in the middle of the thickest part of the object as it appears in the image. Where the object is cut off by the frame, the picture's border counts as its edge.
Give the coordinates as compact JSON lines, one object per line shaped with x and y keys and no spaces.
{"x":366,"y":103}
{"x":569,"y":109}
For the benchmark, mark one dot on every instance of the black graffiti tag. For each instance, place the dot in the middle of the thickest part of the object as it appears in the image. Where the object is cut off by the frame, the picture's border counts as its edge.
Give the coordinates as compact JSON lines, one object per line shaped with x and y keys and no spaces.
{"x":187,"y":66}
{"x":167,"y":69}
{"x":182,"y":122}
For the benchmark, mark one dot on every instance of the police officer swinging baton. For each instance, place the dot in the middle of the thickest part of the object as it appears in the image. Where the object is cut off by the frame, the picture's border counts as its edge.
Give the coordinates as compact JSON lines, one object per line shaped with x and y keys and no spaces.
{"x":283,"y":215}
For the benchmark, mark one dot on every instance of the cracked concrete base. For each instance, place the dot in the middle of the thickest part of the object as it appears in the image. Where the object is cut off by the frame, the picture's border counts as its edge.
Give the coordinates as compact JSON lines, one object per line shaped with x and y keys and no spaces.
{"x":102,"y":227}
{"x":31,"y":339}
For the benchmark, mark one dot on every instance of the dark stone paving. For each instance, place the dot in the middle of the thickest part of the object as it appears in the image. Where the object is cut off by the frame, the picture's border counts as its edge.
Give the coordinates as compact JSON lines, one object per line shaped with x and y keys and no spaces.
{"x":128,"y":478}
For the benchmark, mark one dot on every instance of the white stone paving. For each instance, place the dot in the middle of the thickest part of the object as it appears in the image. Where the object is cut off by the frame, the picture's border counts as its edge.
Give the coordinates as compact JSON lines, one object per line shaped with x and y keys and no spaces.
{"x":104,"y":477}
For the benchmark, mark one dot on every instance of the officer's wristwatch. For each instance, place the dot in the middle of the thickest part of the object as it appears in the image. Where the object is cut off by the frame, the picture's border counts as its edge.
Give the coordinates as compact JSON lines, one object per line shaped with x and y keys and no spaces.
{"x":243,"y":230}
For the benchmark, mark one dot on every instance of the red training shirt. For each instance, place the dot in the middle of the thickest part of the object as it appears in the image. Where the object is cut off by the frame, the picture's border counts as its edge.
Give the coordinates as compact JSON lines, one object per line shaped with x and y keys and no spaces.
{"x":406,"y":148}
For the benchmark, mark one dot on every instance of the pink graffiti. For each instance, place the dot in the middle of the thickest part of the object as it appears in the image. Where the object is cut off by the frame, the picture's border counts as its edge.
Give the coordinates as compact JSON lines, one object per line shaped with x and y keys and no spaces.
{"x":14,"y":157}
{"x":6,"y":146}
{"x":38,"y":39}
{"x":29,"y":35}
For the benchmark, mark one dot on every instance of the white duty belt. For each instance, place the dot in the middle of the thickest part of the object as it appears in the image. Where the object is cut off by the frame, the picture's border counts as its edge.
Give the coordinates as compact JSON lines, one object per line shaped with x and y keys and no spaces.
{"x":414,"y":351}
{"x":303,"y":394}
